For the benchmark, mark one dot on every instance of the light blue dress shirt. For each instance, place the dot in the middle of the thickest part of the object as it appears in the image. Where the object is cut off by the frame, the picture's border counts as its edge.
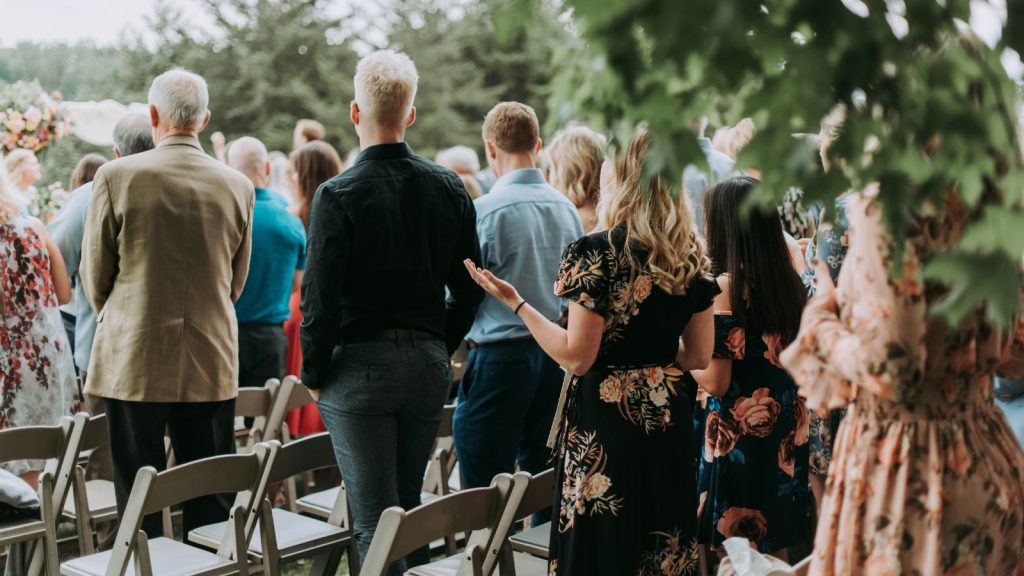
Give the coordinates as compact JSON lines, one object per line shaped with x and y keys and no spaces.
{"x":524,"y":226}
{"x":67,"y":229}
{"x":696,"y":183}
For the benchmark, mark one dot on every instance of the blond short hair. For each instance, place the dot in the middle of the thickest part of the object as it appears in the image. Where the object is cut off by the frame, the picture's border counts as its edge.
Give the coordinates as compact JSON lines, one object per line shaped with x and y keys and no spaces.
{"x":385,"y":86}
{"x":512,"y":127}
{"x":575,"y":155}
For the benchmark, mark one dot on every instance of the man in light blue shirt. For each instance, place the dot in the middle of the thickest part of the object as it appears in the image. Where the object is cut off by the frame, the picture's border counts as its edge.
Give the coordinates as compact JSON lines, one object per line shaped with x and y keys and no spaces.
{"x":510,"y":389}
{"x":132,"y":134}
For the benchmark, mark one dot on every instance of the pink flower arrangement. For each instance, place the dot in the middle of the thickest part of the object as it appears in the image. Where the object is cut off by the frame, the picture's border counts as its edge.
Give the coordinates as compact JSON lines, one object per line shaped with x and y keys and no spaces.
{"x":30,"y":117}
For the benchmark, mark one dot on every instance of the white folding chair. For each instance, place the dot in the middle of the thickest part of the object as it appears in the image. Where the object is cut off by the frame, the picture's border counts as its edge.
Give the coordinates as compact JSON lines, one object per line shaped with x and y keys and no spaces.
{"x":486,"y":513}
{"x":94,"y":498}
{"x":59,"y":447}
{"x":526,"y":553}
{"x":287,"y":536}
{"x":243,"y":474}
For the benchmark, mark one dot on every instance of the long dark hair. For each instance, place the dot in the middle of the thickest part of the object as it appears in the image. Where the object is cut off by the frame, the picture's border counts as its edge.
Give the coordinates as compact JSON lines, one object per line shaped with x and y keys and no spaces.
{"x":313,"y":164}
{"x":748,"y":244}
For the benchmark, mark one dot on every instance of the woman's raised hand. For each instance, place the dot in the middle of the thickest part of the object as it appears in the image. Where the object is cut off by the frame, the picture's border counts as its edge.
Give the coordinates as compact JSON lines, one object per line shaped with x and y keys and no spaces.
{"x":503,"y":291}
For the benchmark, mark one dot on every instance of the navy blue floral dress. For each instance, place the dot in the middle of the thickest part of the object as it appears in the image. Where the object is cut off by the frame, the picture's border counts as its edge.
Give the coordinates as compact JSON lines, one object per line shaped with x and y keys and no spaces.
{"x":752,"y":480}
{"x":625,"y":475}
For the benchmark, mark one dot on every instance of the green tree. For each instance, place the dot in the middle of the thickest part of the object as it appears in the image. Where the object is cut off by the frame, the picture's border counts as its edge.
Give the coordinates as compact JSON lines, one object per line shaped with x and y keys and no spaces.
{"x":937,"y":104}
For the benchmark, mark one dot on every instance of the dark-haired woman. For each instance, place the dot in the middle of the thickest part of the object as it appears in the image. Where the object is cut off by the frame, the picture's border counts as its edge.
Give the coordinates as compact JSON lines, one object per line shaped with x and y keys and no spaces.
{"x":310,"y":165}
{"x":753,"y":480}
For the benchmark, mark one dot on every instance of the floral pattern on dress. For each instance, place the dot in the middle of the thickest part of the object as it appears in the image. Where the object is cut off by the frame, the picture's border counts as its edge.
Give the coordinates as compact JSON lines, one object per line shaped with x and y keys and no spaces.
{"x":585,"y":487}
{"x":37,"y":381}
{"x":753,"y":474}
{"x":643,"y":395}
{"x":925,"y":477}
{"x":626,"y":419}
{"x":675,"y":556}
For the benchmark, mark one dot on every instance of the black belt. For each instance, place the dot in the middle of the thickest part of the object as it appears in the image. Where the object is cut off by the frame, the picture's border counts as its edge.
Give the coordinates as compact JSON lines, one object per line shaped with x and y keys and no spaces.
{"x":397,"y":334}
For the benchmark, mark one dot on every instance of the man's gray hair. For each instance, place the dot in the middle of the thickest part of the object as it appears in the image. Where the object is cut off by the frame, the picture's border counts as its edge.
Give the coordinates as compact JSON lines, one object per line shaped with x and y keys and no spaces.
{"x":133,"y":134}
{"x":249,"y":156}
{"x":181,"y":98}
{"x":461,"y":159}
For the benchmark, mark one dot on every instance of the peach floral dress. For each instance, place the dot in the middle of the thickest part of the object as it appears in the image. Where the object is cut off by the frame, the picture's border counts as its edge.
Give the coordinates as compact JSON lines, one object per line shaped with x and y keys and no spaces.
{"x":926,"y":476}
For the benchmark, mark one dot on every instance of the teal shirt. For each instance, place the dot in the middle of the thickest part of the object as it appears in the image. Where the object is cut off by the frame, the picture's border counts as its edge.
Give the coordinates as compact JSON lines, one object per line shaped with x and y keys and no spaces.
{"x":524,"y":226}
{"x":278,"y":250}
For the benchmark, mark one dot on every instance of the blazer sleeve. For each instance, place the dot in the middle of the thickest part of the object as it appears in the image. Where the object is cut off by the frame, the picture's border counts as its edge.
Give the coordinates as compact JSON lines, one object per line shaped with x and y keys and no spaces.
{"x":100,"y":260}
{"x":240,"y":263}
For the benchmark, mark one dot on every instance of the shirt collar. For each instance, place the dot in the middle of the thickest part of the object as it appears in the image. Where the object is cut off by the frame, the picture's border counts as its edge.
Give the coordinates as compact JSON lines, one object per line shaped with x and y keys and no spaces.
{"x":520,"y":176}
{"x":262,"y":193}
{"x":391,"y":151}
{"x":180,"y":140}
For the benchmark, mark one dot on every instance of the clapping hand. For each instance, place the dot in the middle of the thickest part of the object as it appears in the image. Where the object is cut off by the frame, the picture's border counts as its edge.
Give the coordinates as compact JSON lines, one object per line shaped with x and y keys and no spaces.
{"x":503,"y":291}
{"x":824,"y":287}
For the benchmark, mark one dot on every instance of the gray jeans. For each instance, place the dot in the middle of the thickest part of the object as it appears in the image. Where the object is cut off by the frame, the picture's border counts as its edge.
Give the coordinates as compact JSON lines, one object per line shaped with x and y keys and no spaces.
{"x":382,"y":406}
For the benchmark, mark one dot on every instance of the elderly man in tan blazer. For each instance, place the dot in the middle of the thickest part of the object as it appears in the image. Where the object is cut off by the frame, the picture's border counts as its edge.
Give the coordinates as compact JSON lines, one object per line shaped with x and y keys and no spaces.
{"x":165,"y":256}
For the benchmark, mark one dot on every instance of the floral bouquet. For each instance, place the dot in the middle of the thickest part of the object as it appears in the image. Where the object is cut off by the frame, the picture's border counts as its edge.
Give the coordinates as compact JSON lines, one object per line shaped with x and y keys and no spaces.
{"x":46,"y":202}
{"x":30,"y":118}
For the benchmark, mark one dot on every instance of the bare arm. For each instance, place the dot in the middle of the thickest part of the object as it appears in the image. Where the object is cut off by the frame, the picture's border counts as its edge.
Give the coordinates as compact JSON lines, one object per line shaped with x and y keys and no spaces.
{"x":697,"y":342}
{"x":716,"y":377}
{"x":575,"y":348}
{"x":297,"y":281}
{"x":58,"y":271}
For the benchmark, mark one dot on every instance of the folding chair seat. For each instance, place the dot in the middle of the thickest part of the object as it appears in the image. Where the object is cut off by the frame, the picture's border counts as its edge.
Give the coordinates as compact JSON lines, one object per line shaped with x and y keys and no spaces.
{"x":289,"y":536}
{"x":95,"y":497}
{"x":59,"y":446}
{"x":486,"y":513}
{"x":134,"y":553}
{"x":526,"y":553}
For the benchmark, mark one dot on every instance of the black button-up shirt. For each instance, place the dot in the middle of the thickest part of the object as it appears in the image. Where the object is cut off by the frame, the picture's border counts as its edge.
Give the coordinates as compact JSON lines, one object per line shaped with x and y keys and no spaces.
{"x":385,"y":238}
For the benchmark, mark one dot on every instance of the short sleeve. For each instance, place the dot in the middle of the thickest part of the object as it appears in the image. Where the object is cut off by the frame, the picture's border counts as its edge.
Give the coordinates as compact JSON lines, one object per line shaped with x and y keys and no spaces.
{"x":583,"y":276}
{"x":730,"y":338}
{"x":300,"y":263}
{"x":702,"y":294}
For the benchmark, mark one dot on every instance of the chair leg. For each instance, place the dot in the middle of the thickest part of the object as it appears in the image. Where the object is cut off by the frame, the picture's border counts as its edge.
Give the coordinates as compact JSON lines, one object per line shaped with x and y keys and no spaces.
{"x":326,"y":564}
{"x":354,"y":562}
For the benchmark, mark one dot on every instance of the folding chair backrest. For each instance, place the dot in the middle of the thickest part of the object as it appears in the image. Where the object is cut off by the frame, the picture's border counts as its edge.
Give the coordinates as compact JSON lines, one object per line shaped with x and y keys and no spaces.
{"x":32,"y":443}
{"x":464,"y":511}
{"x":96,"y":434}
{"x":540,"y":494}
{"x":299,"y":395}
{"x":254,"y":402}
{"x":283,"y":394}
{"x":310,"y":453}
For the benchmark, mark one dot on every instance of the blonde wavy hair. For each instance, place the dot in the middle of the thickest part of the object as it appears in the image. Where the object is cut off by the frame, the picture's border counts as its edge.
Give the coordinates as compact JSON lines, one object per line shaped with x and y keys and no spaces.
{"x":655,"y":220}
{"x":11,"y":201}
{"x":575,"y":155}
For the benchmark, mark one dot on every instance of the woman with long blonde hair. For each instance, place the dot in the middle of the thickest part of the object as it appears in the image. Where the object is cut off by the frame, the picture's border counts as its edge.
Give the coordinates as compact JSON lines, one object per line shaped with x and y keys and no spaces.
{"x":640,"y":294}
{"x":575,"y":155}
{"x":37,"y":375}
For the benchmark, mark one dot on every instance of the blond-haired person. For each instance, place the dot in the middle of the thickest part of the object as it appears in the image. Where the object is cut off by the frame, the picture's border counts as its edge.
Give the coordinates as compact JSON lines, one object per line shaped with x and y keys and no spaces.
{"x":510,"y":389}
{"x":640,"y":316}
{"x":385,"y":238}
{"x":575,"y":156}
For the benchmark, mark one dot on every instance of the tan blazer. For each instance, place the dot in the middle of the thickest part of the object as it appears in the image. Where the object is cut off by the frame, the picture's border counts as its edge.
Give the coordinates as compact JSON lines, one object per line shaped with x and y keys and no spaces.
{"x":165,"y":256}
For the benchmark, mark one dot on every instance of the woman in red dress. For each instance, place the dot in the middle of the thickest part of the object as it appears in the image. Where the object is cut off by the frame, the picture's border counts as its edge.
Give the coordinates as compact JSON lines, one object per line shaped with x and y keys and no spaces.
{"x":310,"y":166}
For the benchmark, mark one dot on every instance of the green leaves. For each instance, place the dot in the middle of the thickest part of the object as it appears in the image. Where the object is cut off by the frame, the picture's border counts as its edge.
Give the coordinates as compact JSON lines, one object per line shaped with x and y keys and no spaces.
{"x":926,"y":112}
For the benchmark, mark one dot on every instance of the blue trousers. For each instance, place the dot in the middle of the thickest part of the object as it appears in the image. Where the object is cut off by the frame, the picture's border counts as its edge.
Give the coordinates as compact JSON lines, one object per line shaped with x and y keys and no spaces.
{"x":507,"y":401}
{"x":382,"y":406}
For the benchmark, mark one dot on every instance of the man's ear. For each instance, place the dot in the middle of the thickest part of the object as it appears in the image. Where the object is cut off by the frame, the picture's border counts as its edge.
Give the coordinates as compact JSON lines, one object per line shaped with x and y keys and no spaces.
{"x":117,"y":153}
{"x":412,"y":117}
{"x":154,"y":116}
{"x":354,"y":113}
{"x":266,"y":168}
{"x":206,"y":120}
{"x":492,"y":150}
{"x":540,"y":144}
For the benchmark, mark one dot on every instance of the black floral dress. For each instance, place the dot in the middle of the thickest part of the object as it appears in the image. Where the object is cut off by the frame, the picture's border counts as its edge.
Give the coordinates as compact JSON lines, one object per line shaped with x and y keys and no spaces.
{"x":625,"y":454}
{"x":753,"y":471}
